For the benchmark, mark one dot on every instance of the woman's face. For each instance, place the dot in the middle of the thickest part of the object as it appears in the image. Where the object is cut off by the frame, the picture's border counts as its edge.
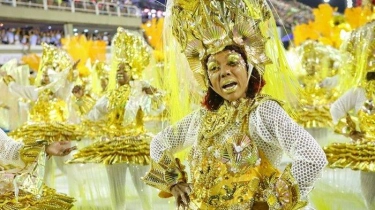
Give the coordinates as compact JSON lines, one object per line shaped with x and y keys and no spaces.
{"x":122,"y":77}
{"x":45,"y":79}
{"x":228,"y":74}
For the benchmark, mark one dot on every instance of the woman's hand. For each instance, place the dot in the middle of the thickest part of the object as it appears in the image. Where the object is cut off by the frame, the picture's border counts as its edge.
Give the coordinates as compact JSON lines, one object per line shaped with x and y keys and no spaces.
{"x":181,"y":192}
{"x":356,"y":135}
{"x":149,"y":90}
{"x":60,"y":148}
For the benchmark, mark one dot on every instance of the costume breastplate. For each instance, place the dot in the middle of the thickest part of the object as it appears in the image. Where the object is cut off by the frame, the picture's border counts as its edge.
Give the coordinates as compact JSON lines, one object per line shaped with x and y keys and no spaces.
{"x":366,"y":118}
{"x":84,"y":104}
{"x":117,"y":102}
{"x":49,"y":108}
{"x":226,"y":166}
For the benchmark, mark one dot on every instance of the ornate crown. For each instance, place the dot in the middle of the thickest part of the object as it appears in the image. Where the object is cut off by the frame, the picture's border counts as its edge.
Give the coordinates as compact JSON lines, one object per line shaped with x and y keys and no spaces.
{"x":132,"y":50}
{"x":317,"y":57}
{"x":205,"y":27}
{"x":57,"y":58}
{"x":361,"y":49}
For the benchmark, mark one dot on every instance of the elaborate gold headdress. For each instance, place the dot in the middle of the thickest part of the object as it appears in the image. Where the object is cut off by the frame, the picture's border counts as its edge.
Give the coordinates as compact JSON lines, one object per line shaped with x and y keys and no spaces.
{"x":57,"y":58}
{"x":54,"y":57}
{"x":205,"y":27}
{"x":194,"y":29}
{"x":361,"y":49}
{"x":319,"y":59}
{"x":130,"y":49}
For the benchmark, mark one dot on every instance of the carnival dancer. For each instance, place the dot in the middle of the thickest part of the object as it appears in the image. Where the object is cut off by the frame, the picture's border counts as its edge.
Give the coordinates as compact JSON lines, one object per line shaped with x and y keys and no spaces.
{"x":123,"y":142}
{"x":238,"y":137}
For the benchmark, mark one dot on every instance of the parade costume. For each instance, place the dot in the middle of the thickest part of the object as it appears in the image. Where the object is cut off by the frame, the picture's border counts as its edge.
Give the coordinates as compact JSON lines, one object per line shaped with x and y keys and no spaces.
{"x":123,"y":142}
{"x":358,"y":153}
{"x":235,"y":147}
{"x":21,"y":173}
{"x":49,"y":111}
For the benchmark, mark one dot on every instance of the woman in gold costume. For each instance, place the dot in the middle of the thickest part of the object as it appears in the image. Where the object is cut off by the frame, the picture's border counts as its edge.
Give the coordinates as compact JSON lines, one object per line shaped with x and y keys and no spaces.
{"x":119,"y":114}
{"x":49,"y":112}
{"x":359,"y":153}
{"x":48,"y":115}
{"x":11,"y":105}
{"x":318,"y":78}
{"x":20,"y":178}
{"x":238,"y":138}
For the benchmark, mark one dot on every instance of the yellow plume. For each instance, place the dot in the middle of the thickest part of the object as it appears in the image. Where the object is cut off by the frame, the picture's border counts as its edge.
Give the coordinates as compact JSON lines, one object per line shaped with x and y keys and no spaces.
{"x":82,"y":49}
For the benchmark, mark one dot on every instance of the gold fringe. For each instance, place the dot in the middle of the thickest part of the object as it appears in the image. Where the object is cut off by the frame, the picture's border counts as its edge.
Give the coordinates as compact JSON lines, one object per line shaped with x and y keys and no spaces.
{"x":133,"y":150}
{"x":49,"y":200}
{"x":48,"y":131}
{"x":354,"y":155}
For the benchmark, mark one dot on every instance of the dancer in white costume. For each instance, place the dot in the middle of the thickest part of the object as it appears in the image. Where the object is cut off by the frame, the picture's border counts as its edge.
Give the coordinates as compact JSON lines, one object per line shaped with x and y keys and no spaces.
{"x":358,"y":154}
{"x":21,"y":171}
{"x":48,"y":111}
{"x":119,"y":114}
{"x":13,"y":110}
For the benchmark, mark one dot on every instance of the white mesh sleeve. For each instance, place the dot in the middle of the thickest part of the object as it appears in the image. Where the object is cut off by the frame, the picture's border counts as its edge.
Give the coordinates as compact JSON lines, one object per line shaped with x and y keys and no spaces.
{"x":277,"y":131}
{"x":176,"y":137}
{"x":9,"y":150}
{"x":26,"y":92}
{"x":99,"y":110}
{"x":352,"y":99}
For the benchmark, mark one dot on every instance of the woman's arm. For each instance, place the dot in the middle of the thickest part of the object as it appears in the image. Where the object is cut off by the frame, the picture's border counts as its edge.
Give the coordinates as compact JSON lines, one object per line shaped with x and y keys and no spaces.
{"x":10,"y":150}
{"x":99,"y":110}
{"x":17,"y":154}
{"x":277,"y":129}
{"x":26,"y":92}
{"x":177,"y":137}
{"x":353,"y":99}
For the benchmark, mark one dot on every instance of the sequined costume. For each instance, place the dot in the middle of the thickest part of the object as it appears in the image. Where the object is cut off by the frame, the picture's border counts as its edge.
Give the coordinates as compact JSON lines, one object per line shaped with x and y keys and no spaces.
{"x":19,"y":185}
{"x":119,"y":114}
{"x":357,"y":154}
{"x":319,"y":70}
{"x":255,"y":122}
{"x":341,"y":155}
{"x":11,"y":105}
{"x":236,"y":147}
{"x":49,"y":112}
{"x":47,"y":118}
{"x":116,"y":124}
{"x":118,"y":118}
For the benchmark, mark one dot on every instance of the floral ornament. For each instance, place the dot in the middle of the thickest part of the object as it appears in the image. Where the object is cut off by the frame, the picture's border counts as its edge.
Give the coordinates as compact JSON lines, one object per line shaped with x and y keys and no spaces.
{"x":165,"y":173}
{"x":240,"y":152}
{"x":282,"y":193}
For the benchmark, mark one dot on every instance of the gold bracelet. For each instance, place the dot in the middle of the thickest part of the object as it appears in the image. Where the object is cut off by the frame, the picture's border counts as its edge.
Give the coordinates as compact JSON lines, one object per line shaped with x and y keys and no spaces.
{"x":8,"y":79}
{"x":29,"y":153}
{"x":165,"y":173}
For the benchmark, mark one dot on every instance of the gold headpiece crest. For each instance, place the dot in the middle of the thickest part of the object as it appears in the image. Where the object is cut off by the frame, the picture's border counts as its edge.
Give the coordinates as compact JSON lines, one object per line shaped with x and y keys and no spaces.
{"x":360,"y":48}
{"x":131,"y":49}
{"x":320,"y":59}
{"x":206,"y":27}
{"x":57,"y":58}
{"x":54,"y":57}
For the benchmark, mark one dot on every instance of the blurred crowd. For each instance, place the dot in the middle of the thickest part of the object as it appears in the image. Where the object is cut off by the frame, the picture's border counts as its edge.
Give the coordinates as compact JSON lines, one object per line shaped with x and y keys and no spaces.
{"x":34,"y":36}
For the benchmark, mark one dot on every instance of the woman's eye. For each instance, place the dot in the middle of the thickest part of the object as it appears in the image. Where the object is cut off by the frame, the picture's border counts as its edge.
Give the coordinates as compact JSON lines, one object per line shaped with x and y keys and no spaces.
{"x":213,"y":68}
{"x":233,"y":63}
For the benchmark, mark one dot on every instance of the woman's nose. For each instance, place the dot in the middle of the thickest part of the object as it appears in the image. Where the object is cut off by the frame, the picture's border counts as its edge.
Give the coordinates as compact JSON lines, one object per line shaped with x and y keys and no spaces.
{"x":225,"y":71}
